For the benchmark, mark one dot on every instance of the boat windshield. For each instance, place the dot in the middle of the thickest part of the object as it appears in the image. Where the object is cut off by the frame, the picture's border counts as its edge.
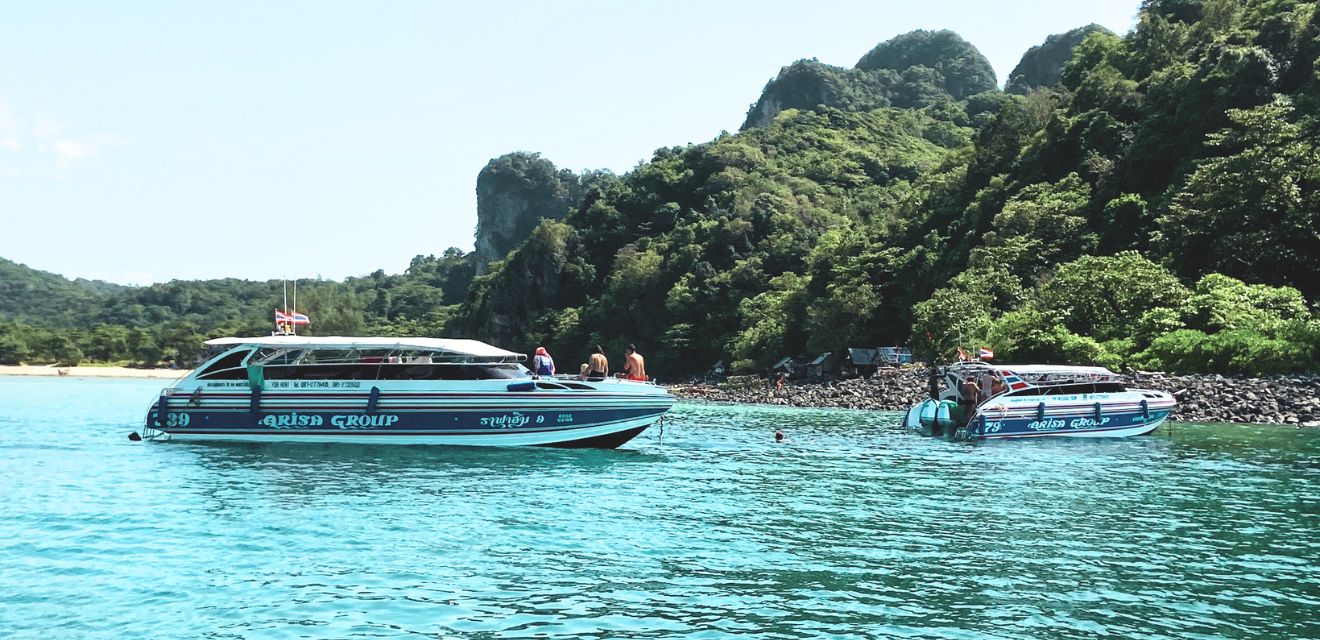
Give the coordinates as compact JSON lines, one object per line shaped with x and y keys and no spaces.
{"x":301,"y":363}
{"x":977,"y":382}
{"x":1070,"y":388}
{"x":303,"y":356}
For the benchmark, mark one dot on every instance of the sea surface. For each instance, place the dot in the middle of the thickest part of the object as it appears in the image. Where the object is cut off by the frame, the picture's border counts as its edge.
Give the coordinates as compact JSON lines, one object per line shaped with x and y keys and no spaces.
{"x":852,"y":529}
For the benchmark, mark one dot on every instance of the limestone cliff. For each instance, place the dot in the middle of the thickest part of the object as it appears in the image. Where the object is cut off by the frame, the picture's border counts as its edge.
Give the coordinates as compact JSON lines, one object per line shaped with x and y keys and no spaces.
{"x":514,"y":192}
{"x":916,"y":69}
{"x":1041,"y":65}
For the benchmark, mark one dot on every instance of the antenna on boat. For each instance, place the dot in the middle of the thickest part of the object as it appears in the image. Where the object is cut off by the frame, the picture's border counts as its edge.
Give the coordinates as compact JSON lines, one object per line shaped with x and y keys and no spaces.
{"x":294,"y":325}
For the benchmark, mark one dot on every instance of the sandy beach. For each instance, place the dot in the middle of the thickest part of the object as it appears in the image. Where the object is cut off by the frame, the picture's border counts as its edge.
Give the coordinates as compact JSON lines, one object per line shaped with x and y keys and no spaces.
{"x":91,"y":372}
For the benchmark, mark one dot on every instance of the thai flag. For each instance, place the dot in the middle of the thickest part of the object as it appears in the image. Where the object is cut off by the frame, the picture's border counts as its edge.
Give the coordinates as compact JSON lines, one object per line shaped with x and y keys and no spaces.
{"x":986,"y":354}
{"x":291,"y":318}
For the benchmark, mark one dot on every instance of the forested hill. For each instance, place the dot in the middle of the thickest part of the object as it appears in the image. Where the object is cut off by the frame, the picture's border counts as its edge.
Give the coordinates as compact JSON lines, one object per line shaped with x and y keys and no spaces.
{"x":1042,"y":64}
{"x":916,"y":69}
{"x":29,"y":293}
{"x":47,"y":318}
{"x":1145,"y":200}
{"x":1156,"y":208}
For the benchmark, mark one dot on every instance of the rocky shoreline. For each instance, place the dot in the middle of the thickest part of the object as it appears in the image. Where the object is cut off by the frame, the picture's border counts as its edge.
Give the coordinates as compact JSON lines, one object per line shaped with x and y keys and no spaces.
{"x":1285,"y":400}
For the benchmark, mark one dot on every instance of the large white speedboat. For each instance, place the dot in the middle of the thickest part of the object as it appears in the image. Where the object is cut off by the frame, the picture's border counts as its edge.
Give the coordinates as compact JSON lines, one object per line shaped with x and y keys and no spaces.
{"x":980,"y":400}
{"x":395,"y":390}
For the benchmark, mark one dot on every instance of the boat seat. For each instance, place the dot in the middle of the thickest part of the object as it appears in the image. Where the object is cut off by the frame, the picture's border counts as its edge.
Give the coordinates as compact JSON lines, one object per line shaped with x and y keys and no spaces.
{"x":419,"y":372}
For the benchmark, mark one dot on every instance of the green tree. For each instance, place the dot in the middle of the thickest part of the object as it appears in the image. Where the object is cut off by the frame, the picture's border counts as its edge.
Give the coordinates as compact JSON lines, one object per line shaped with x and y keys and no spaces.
{"x":1220,"y":303}
{"x":61,"y":350}
{"x":1253,"y":210}
{"x":769,"y":321}
{"x":107,"y":343}
{"x":182,"y":341}
{"x":1104,"y":296}
{"x":13,"y":344}
{"x":1042,"y":226}
{"x":143,"y":348}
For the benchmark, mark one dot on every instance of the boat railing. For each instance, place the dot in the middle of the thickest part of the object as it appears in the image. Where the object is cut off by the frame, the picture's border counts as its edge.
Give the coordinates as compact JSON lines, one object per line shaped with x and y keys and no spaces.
{"x":569,"y":377}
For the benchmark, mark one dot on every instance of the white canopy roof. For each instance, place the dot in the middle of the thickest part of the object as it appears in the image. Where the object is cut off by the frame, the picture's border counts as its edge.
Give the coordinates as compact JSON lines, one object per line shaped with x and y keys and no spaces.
{"x":1037,"y":369}
{"x":1041,"y":369}
{"x":465,"y":347}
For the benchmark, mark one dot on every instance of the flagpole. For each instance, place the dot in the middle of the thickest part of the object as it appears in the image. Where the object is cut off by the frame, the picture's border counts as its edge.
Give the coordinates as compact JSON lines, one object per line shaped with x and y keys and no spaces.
{"x":295,"y":306}
{"x":286,"y":303}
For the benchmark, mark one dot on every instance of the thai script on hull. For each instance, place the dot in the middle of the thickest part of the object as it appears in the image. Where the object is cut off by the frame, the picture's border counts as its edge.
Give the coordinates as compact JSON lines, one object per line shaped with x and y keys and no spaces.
{"x":509,"y":420}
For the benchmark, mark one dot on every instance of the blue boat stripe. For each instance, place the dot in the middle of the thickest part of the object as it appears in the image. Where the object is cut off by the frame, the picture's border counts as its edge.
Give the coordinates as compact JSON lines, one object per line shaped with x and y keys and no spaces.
{"x":402,"y":432}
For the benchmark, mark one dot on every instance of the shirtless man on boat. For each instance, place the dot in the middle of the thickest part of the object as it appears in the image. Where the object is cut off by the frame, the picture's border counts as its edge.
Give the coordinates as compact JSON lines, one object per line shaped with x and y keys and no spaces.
{"x":634,"y":365}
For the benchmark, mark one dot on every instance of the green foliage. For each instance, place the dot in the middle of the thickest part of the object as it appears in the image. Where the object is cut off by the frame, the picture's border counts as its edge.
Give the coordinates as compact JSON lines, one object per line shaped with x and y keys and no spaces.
{"x":61,"y":350}
{"x":1126,"y":310}
{"x":1239,"y":351}
{"x":29,"y":293}
{"x":955,"y":66}
{"x":1104,"y":296}
{"x":337,"y":309}
{"x":1041,"y":226}
{"x":13,"y":344}
{"x":1061,"y":225}
{"x":952,"y":317}
{"x":1029,"y":335}
{"x":917,"y":69}
{"x":668,"y":254}
{"x":169,"y":321}
{"x":1252,"y":210}
{"x":768,"y":323}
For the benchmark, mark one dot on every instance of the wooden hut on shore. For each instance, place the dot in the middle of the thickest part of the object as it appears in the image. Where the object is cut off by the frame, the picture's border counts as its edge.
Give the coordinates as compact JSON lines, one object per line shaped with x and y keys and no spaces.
{"x":786,"y":366}
{"x":822,"y":366}
{"x":861,"y":362}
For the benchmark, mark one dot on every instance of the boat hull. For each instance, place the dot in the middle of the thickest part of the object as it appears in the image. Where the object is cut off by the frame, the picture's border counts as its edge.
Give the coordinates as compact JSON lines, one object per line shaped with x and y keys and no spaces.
{"x":473,"y":420}
{"x":1122,"y":426}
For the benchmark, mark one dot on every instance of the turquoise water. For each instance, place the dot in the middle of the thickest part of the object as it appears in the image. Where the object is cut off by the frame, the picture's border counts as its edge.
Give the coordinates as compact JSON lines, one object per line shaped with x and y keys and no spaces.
{"x":851,"y":530}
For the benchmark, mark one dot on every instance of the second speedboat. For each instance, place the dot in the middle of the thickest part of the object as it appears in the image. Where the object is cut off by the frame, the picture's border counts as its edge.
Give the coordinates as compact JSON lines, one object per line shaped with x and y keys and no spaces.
{"x":980,"y":400}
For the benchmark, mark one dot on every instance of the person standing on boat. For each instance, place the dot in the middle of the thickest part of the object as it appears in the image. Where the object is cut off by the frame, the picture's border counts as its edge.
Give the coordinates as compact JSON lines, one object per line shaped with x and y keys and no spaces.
{"x":600,"y":365}
{"x":544,"y":364}
{"x":634,"y":365}
{"x":969,"y":393}
{"x":987,"y":385}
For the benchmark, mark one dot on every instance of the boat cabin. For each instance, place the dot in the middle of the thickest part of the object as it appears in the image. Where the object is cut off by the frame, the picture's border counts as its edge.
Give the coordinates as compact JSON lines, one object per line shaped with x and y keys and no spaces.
{"x":334,"y":358}
{"x":976,"y":382}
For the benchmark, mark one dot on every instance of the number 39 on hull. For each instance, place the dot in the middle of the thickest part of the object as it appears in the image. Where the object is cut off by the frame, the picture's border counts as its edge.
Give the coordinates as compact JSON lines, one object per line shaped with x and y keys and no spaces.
{"x":397,"y":391}
{"x":983,"y":401}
